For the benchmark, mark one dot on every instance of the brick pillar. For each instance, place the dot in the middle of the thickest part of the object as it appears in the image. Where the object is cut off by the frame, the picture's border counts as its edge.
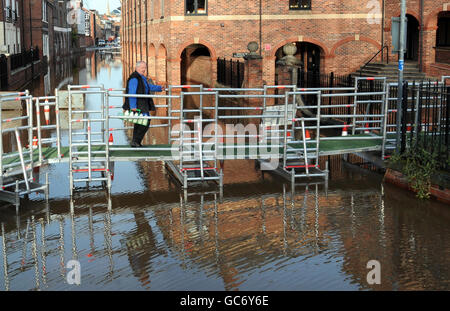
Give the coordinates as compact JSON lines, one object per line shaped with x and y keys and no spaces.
{"x":284,"y":75}
{"x":253,"y":78}
{"x":429,"y":53}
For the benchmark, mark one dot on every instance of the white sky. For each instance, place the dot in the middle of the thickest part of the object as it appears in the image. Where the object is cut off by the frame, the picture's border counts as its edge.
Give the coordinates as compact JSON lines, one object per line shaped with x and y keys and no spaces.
{"x":100,"y":5}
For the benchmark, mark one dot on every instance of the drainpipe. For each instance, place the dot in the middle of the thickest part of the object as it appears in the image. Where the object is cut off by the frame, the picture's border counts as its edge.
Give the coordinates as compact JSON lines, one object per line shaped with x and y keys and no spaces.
{"x":421,"y":36}
{"x":382,"y":29}
{"x":23,"y":27}
{"x":260,"y":27}
{"x":400,"y":72}
{"x":31,"y":38}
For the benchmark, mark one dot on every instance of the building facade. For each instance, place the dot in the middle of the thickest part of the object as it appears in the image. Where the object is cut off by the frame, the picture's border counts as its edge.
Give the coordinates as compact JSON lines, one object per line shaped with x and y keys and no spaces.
{"x":331,"y":36}
{"x":33,"y":34}
{"x":10,"y":27}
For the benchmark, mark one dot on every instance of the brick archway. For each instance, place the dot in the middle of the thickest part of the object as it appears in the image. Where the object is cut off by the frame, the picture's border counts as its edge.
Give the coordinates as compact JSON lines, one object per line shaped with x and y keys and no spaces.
{"x":432,"y":19}
{"x":191,"y":42}
{"x":306,"y":40}
{"x":197,"y":65}
{"x":350,"y":39}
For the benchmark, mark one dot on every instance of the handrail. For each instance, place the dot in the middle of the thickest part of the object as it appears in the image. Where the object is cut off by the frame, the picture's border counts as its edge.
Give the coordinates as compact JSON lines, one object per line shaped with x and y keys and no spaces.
{"x":381,"y":50}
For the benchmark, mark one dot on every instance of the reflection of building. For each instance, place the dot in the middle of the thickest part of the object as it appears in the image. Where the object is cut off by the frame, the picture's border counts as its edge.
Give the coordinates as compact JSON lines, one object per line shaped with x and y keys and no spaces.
{"x":141,"y":247}
{"x":250,"y":234}
{"x":63,"y":31}
{"x":329,"y":38}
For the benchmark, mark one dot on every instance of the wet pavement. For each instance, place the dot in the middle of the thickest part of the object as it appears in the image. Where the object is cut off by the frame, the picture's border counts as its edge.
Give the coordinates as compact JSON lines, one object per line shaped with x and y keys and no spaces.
{"x":259,"y":233}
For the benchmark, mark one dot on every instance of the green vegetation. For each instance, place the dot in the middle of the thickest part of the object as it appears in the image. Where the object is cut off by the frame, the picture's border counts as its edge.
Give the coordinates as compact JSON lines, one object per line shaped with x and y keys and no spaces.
{"x":418,"y":165}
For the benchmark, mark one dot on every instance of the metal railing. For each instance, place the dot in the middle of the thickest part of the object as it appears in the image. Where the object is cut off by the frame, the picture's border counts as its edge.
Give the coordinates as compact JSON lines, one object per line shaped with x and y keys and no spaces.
{"x":426,"y":121}
{"x":23,"y":59}
{"x":375,"y":56}
{"x":292,"y":133}
{"x":230,"y":73}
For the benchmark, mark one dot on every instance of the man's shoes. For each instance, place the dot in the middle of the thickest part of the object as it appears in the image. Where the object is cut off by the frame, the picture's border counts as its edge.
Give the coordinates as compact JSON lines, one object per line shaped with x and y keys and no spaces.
{"x":135,"y":144}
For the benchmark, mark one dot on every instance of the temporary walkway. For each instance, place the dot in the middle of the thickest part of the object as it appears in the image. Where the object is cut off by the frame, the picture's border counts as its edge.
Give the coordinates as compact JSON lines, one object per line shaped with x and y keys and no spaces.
{"x":289,"y":137}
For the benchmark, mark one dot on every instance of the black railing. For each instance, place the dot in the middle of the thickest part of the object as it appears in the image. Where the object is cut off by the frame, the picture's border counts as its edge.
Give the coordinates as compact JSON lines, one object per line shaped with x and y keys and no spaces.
{"x":314,"y":79}
{"x":23,"y":59}
{"x":230,"y":73}
{"x":3,"y":71}
{"x":425,"y":120}
{"x":375,"y":56}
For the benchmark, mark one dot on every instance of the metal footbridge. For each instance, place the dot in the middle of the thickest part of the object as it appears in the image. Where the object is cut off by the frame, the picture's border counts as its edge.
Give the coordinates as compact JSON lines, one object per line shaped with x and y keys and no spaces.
{"x":285,"y":128}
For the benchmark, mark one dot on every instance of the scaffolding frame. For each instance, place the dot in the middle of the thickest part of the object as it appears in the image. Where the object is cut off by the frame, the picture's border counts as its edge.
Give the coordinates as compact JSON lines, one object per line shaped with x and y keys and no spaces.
{"x":195,"y":155}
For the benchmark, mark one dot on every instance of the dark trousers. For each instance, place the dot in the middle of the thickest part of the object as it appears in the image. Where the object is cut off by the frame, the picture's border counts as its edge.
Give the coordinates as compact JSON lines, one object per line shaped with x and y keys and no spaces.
{"x":139,"y":132}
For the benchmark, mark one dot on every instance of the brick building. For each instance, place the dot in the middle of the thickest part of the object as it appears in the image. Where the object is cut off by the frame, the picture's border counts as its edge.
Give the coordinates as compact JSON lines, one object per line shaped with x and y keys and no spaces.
{"x":331,"y":36}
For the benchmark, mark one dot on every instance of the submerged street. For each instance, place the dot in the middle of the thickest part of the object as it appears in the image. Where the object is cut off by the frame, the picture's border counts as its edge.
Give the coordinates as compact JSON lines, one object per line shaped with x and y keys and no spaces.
{"x":259,"y":233}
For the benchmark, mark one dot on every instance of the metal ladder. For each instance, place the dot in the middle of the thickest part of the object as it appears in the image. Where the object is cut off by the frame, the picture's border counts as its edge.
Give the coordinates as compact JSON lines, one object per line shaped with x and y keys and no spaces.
{"x":195,"y":154}
{"x":46,"y":102}
{"x":301,"y":156}
{"x":194,"y":158}
{"x":88,"y":149}
{"x":16,"y":178}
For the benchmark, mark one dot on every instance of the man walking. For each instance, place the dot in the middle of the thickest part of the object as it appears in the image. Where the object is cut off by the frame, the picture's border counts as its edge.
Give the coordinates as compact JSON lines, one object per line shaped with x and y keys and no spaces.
{"x":138,"y":84}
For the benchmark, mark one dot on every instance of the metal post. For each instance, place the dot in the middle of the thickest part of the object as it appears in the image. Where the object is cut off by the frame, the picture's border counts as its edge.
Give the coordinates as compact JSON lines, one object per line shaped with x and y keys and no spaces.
{"x":106,"y":139}
{"x":70,"y":142}
{"x":182,"y":135}
{"x":319,"y":105}
{"x":47,"y":190}
{"x":22,"y":162}
{"x":385,"y":109}
{"x":355,"y":106}
{"x":38,"y":125}
{"x":89,"y":150}
{"x":401,"y":61}
{"x":285,"y":128}
{"x":169,"y":113}
{"x":58,"y":124}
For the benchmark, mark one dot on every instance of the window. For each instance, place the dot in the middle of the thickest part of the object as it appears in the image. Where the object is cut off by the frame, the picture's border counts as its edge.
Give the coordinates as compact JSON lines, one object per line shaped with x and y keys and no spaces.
{"x":443,"y":32}
{"x":162,"y":8}
{"x":195,"y":7}
{"x":45,"y":51}
{"x":299,"y":4}
{"x":44,"y":10}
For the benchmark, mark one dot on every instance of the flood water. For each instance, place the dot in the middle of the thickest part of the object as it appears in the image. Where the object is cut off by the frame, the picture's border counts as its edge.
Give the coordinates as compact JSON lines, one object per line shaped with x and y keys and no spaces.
{"x":259,"y":234}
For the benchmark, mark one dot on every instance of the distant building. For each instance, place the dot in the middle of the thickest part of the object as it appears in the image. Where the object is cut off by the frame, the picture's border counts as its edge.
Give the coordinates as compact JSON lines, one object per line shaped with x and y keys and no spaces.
{"x":62,"y":30}
{"x":34,"y":33}
{"x":10,"y":27}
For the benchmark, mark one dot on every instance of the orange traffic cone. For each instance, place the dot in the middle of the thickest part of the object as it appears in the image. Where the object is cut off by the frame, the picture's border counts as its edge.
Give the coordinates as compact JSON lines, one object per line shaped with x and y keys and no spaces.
{"x":307,"y":135}
{"x":344,"y":130}
{"x":111,"y":139}
{"x":47,"y":112}
{"x":367,"y":129}
{"x":35,"y":142}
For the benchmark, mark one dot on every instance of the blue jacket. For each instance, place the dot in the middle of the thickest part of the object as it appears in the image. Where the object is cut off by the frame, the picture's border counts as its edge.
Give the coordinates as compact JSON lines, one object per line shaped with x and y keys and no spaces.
{"x":133,"y":86}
